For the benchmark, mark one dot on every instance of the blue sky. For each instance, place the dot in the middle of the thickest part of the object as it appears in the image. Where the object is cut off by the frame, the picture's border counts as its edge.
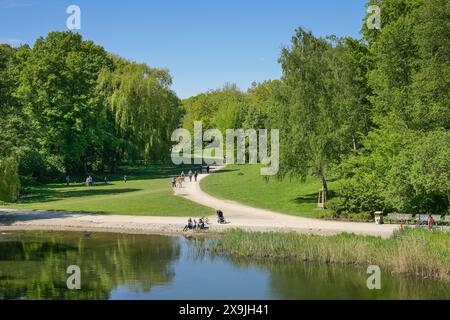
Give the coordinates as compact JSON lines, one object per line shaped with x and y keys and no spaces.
{"x":204,"y":44}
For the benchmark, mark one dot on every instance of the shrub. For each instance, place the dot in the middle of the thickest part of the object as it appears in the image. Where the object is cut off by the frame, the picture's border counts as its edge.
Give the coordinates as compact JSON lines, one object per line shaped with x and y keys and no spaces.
{"x":9,"y":180}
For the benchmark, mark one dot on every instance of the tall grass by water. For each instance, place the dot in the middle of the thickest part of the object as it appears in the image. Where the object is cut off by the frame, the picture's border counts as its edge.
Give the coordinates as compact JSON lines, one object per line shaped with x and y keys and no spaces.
{"x":420,"y":252}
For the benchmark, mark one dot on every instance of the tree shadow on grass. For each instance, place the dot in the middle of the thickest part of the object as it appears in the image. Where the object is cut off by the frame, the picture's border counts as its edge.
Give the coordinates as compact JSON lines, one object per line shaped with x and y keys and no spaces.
{"x":48,"y":194}
{"x":312,"y":197}
{"x":224,"y":171}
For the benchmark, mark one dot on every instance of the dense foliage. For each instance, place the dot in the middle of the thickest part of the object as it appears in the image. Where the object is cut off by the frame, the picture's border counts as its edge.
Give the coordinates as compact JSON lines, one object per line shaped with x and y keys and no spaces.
{"x":373,"y":113}
{"x":69,"y":107}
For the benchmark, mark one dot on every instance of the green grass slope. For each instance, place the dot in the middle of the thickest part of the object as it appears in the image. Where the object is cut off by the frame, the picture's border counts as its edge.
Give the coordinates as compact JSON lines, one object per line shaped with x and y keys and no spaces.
{"x":243,"y":183}
{"x":147,"y":193}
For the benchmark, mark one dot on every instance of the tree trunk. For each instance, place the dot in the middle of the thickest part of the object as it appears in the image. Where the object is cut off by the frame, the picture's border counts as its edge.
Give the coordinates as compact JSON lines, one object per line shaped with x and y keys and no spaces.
{"x":114,"y":167}
{"x":354,"y":143}
{"x":324,"y":181}
{"x":324,"y":184}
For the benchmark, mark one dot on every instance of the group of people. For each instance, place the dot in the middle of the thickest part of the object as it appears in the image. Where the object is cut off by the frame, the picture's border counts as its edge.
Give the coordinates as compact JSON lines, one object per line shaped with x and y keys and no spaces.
{"x":194,"y":225}
{"x":178,"y":181}
{"x":203,"y":221}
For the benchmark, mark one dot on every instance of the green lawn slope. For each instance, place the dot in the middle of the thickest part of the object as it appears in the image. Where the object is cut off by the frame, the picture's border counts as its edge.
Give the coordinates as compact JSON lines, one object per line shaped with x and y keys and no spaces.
{"x":243,"y":183}
{"x":147,"y":193}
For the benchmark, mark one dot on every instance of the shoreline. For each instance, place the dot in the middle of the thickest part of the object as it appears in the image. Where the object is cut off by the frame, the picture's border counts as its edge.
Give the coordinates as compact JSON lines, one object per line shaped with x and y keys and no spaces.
{"x":16,"y":220}
{"x":108,"y":230}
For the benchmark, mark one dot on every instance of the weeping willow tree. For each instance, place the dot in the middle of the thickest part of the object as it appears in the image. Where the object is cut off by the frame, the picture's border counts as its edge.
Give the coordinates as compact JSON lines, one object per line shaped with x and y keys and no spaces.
{"x":9,"y":180}
{"x":143,"y":110}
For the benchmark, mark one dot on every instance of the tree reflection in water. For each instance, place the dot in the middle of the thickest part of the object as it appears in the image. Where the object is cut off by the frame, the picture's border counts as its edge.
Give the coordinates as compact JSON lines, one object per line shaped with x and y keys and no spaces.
{"x":296,"y":280}
{"x":33,"y":265}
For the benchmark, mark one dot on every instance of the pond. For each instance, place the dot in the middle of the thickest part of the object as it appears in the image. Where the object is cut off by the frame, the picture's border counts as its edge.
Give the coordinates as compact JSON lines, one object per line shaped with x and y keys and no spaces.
{"x":33,"y":265}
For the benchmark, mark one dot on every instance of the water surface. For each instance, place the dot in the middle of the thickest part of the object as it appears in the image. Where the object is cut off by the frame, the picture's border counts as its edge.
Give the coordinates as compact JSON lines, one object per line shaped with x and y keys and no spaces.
{"x":116,"y":266}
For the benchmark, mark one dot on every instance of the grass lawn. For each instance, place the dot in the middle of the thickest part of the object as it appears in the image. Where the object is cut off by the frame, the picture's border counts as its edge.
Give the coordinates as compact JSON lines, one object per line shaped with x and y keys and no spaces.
{"x":147,"y":193}
{"x":243,"y":183}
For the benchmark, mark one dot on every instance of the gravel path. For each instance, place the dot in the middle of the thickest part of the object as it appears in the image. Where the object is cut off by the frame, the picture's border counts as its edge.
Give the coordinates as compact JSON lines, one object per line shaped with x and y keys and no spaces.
{"x":236,"y":214}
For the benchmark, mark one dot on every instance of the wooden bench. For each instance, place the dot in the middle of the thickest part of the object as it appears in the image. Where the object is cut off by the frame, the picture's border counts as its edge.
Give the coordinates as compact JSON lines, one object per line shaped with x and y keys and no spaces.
{"x":422,"y":219}
{"x":436,"y":218}
{"x":395,"y":216}
{"x":204,"y":169}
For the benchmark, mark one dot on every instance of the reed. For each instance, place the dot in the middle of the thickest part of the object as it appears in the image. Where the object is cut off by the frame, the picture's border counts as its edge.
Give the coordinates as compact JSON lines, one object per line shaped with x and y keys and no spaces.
{"x":420,"y":252}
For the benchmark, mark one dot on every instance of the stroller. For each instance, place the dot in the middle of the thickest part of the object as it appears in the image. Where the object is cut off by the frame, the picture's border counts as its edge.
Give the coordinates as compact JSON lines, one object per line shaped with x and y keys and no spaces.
{"x":220,"y":217}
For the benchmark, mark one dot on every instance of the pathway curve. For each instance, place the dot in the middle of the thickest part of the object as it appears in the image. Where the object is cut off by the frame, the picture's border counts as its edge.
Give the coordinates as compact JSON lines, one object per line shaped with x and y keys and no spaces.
{"x":238,"y":216}
{"x":243,"y":216}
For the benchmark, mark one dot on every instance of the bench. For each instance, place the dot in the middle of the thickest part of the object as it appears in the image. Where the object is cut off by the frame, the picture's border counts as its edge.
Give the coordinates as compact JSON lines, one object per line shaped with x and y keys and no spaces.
{"x":422,"y":219}
{"x":395,"y":216}
{"x":436,"y":218}
{"x":203,"y":169}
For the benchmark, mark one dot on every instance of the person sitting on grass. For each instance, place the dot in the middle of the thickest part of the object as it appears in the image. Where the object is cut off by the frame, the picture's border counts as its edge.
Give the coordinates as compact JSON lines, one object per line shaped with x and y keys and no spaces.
{"x":189,"y":225}
{"x":201,"y":224}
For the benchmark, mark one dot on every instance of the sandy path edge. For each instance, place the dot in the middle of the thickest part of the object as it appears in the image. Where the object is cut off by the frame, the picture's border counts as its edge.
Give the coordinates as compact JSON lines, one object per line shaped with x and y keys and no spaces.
{"x":239,"y":216}
{"x":250,"y":218}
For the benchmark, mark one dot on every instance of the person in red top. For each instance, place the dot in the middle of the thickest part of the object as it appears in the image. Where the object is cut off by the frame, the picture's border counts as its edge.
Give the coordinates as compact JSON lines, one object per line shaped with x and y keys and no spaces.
{"x":430,"y":222}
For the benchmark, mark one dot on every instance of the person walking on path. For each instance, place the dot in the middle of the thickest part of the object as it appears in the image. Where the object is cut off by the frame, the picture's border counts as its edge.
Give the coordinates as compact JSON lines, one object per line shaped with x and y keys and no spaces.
{"x":174,"y":182}
{"x":195,"y":175}
{"x":190,"y":175}
{"x":182,"y":175}
{"x":180,"y":182}
{"x":207,"y":169}
{"x":125,"y":178}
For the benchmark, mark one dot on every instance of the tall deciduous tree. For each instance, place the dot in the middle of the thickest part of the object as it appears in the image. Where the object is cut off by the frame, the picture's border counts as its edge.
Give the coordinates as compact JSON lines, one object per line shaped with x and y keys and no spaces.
{"x":325,"y":111}
{"x":57,"y":88}
{"x":143,"y":110}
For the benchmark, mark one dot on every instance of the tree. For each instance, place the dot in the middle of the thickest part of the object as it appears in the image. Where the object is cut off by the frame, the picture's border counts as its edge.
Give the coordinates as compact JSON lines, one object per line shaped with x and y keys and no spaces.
{"x":9,"y":180}
{"x":325,"y":109}
{"x":221,"y":109}
{"x":15,"y":132}
{"x":403,"y":164}
{"x":57,"y":88}
{"x":142,"y":109}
